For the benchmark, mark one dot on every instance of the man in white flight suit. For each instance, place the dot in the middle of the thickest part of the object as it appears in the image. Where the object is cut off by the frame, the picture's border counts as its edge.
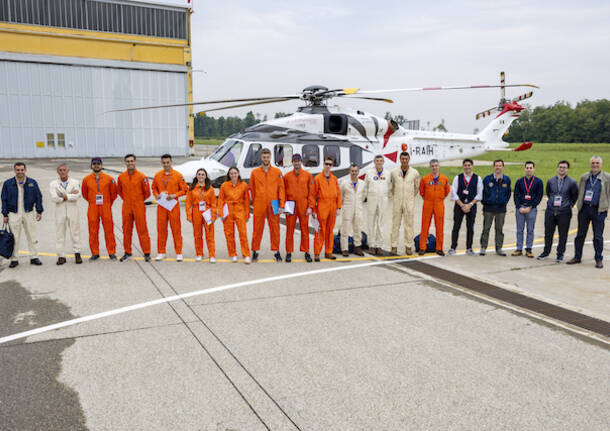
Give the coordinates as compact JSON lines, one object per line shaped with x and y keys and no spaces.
{"x":404,"y":186}
{"x":376,"y":191}
{"x":65,"y":192}
{"x":352,"y":198}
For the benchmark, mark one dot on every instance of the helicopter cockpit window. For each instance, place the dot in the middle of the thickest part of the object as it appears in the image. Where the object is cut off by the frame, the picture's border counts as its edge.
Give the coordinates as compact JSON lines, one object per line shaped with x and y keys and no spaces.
{"x":334,"y":152}
{"x":311,"y":156}
{"x":253,"y":158}
{"x":283,"y":155}
{"x":228,"y":153}
{"x":355,"y":155}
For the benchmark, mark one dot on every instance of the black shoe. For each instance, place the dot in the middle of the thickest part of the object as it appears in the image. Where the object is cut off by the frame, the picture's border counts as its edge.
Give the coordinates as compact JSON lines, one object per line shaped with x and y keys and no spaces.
{"x":77,"y":258}
{"x":599,"y":264}
{"x":254,"y":256}
{"x":330,"y":256}
{"x":421,"y":252}
{"x":147,"y":257}
{"x":278,"y":256}
{"x":94,"y":257}
{"x":61,"y":260}
{"x":440,"y":252}
{"x":288,"y":257}
{"x":316,"y":258}
{"x":345,"y":253}
{"x":543,"y":256}
{"x":35,"y":261}
{"x":13,"y":263}
{"x":112,"y":256}
{"x":125,"y":257}
{"x":307,"y":257}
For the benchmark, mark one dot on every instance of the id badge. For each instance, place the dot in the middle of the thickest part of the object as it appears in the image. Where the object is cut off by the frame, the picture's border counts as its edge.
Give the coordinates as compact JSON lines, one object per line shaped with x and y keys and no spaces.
{"x":528,"y":197}
{"x":99,"y":199}
{"x":557,"y":201}
{"x":201,"y":206}
{"x":465,"y":192}
{"x":588,"y":195}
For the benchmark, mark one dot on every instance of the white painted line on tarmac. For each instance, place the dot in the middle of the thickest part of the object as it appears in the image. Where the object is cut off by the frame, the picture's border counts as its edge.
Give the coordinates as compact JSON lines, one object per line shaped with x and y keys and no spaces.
{"x":167,"y":299}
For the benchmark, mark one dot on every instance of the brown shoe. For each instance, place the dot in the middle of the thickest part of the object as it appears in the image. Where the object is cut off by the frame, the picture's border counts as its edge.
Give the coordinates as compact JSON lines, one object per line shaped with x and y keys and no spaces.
{"x":421,"y":252}
{"x":394,"y":251}
{"x":329,"y":256}
{"x":529,"y":254}
{"x":345,"y":253}
{"x":408,"y":251}
{"x":358,"y":251}
{"x":440,"y":252}
{"x":517,"y":253}
{"x":599,"y":264}
{"x":573,"y":261}
{"x":61,"y":260}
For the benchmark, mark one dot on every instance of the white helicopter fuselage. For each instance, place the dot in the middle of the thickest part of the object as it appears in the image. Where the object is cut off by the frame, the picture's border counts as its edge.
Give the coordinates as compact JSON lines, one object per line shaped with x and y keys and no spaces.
{"x":349,"y":136}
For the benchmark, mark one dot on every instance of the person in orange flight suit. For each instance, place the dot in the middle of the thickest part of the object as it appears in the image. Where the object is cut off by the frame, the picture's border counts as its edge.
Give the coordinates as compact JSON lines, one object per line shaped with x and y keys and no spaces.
{"x":266,"y":186}
{"x":199,"y":199}
{"x":434,"y":188}
{"x":327,"y":198}
{"x":299,"y":189}
{"x":234,"y":194}
{"x":133,"y":188}
{"x":99,"y":189}
{"x":171,"y":182}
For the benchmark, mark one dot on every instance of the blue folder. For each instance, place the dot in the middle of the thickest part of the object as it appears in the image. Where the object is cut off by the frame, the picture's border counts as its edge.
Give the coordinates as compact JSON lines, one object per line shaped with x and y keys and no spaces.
{"x":275,"y":204}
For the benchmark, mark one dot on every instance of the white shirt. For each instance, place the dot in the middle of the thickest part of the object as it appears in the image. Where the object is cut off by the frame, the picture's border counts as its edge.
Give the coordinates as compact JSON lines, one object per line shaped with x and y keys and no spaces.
{"x":20,"y":207}
{"x":454,"y":188}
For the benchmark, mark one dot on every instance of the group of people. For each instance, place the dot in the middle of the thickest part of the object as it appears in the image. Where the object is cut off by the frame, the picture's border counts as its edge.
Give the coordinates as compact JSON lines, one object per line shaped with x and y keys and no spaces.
{"x":299,"y":195}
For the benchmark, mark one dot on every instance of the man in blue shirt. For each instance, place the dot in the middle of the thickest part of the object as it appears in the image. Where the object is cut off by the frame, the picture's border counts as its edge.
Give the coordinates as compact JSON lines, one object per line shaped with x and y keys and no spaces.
{"x":496,"y":194}
{"x":20,"y":196}
{"x":592,"y":204}
{"x":528,"y":194}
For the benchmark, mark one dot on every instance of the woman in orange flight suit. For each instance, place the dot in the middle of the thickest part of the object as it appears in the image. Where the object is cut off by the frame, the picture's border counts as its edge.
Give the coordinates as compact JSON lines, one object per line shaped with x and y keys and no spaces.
{"x":199,"y":199}
{"x":234,"y":194}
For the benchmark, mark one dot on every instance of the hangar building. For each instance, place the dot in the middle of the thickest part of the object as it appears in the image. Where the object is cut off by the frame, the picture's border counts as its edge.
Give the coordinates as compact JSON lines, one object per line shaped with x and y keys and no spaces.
{"x":64,"y":62}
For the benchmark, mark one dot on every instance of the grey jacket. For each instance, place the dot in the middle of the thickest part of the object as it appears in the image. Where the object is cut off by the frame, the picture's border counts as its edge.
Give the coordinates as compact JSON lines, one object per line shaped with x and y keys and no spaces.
{"x":568,"y":193}
{"x":604,"y":198}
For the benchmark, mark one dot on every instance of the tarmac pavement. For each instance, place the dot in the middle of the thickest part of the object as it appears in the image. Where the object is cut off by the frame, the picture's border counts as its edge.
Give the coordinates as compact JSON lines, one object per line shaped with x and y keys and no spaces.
{"x":369,"y":347}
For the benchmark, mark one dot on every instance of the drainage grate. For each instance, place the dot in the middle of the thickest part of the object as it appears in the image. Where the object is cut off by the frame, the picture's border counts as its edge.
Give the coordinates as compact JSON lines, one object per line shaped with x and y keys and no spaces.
{"x":553,"y":311}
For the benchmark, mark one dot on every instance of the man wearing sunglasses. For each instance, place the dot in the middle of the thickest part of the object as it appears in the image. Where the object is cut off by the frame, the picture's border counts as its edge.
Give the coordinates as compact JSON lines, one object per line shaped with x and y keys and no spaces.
{"x":327,"y":201}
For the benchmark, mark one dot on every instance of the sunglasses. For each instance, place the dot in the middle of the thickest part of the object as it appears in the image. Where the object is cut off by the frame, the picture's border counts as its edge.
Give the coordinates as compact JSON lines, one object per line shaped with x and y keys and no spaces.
{"x":328,"y":164}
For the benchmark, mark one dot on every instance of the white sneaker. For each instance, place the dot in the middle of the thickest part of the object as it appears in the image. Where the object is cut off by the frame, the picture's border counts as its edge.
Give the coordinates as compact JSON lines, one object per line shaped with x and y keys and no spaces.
{"x":212,"y":260}
{"x":451,"y":251}
{"x":178,"y":258}
{"x":160,"y":256}
{"x":198,"y":258}
{"x":247,"y":260}
{"x":234,"y":259}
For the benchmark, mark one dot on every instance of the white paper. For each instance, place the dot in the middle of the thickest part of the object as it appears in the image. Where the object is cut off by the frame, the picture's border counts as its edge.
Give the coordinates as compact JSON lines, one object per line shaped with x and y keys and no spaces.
{"x":289,"y":207}
{"x":166,"y":203}
{"x":207,"y":216}
{"x":315,"y":224}
{"x":225,"y":211}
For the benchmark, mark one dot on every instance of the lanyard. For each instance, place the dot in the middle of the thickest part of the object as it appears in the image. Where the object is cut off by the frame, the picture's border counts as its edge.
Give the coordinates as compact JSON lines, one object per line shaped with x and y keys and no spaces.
{"x":201,"y":193}
{"x":593,"y":184}
{"x":467,"y":183}
{"x":527,"y":189}
{"x":560,"y":183}
{"x":166,"y":178}
{"x":97,"y":181}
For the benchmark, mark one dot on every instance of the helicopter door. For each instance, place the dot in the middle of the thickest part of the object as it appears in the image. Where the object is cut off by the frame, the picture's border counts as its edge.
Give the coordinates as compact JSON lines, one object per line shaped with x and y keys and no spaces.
{"x":335,"y":124}
{"x":283,"y":155}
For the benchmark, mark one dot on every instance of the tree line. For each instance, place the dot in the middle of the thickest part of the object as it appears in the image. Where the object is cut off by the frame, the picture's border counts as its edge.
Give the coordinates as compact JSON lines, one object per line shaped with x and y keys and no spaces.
{"x":588,"y":121}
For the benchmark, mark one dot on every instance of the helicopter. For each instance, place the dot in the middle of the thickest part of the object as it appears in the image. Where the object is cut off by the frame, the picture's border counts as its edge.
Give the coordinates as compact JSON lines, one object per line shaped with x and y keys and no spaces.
{"x":349,"y":136}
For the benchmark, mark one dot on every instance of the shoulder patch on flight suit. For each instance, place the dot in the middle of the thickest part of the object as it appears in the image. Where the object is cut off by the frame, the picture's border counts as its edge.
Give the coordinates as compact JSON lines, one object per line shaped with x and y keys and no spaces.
{"x":375,"y":178}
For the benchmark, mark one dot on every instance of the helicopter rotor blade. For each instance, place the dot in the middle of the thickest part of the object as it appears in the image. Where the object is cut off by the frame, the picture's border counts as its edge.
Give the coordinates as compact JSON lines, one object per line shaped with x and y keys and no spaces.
{"x":284,"y":99}
{"x":379,"y":99}
{"x":522,"y":97}
{"x":206,"y":102}
{"x":454,"y":87}
{"x":486,"y":113}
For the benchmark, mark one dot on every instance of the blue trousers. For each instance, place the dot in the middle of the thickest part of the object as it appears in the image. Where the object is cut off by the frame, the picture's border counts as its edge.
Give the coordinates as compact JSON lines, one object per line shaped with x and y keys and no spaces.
{"x":586,"y":215}
{"x":528,"y":219}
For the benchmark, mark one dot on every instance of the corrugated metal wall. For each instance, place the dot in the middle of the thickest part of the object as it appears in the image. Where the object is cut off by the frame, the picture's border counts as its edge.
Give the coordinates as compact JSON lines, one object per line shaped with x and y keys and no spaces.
{"x":53,"y":110}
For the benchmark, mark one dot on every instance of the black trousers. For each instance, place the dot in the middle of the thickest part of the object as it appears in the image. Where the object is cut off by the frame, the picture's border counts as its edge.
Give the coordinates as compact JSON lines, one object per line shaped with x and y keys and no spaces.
{"x":562,"y":223}
{"x":458,"y":216}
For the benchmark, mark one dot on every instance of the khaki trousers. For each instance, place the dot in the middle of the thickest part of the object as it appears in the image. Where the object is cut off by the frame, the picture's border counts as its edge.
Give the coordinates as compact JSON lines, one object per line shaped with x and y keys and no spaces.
{"x":24,"y":221}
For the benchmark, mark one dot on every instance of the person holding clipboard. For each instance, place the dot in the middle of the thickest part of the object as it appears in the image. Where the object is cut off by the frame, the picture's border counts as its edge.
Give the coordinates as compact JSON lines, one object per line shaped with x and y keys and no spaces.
{"x":299,"y":203}
{"x":234,"y":205}
{"x":201,"y":212}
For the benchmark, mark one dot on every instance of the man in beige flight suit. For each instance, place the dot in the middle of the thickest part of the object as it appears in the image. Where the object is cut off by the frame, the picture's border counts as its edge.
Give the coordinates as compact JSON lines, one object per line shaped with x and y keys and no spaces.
{"x":65,"y":192}
{"x":376,"y":190}
{"x":404,"y":187}
{"x":352,"y":197}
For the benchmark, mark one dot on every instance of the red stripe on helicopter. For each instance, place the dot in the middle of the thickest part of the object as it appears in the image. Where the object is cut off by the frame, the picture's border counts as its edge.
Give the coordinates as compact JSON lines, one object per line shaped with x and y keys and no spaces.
{"x":392,"y":156}
{"x":387,"y":135}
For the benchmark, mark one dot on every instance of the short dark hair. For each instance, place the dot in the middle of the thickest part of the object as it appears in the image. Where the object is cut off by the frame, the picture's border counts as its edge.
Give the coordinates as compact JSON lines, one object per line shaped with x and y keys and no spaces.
{"x":498,"y":161}
{"x":354,"y":165}
{"x":331,"y":158}
{"x":529,"y":162}
{"x":467,"y":161}
{"x":378,"y":156}
{"x":131,"y":155}
{"x":166,"y":156}
{"x":405,"y":153}
{"x":18,"y":164}
{"x":564,"y":162}
{"x":265,"y":151}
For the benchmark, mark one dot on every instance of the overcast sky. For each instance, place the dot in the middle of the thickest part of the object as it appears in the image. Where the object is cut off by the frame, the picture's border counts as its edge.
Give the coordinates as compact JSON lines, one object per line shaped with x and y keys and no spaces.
{"x":267,"y":48}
